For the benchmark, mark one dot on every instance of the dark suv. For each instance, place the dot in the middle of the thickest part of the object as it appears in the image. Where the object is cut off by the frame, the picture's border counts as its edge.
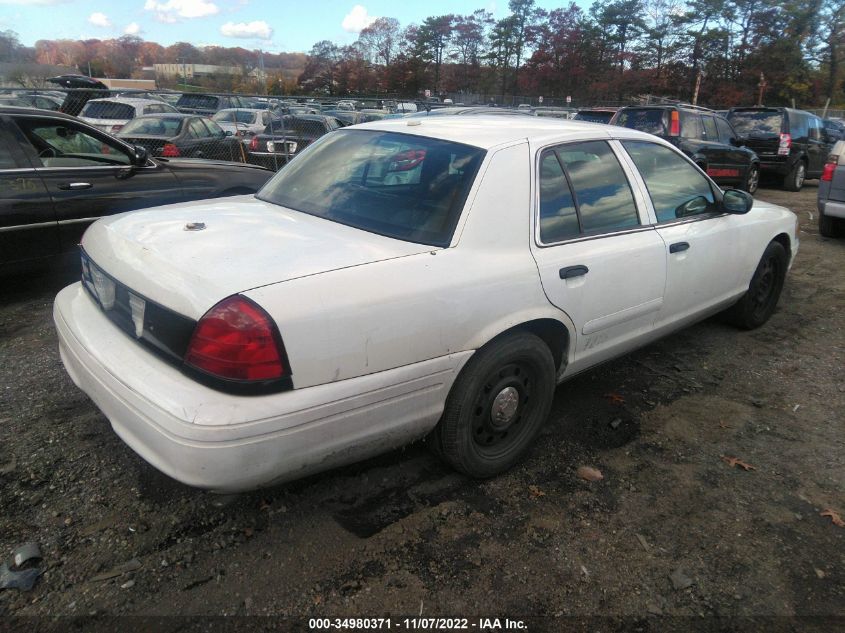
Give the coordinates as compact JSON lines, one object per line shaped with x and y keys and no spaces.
{"x":791,"y":143}
{"x":706,"y":137}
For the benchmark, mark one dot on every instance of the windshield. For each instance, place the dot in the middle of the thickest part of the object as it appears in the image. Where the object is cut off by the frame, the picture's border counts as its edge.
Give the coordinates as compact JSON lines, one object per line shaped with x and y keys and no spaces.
{"x":153,"y":126}
{"x":759,"y":121}
{"x":108,"y":110}
{"x":645,"y":120}
{"x":406,"y":187}
{"x":234,"y":116}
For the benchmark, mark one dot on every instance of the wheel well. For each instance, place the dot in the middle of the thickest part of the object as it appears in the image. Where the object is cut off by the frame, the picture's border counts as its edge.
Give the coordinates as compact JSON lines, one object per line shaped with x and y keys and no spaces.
{"x":783,"y":240}
{"x":552,"y":333}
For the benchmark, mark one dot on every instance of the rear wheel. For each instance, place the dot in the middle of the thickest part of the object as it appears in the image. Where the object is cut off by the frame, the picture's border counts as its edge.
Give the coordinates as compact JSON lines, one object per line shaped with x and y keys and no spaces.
{"x":497,"y":406}
{"x":830,"y":227}
{"x":795,"y":178}
{"x":759,"y":302}
{"x":752,"y":179}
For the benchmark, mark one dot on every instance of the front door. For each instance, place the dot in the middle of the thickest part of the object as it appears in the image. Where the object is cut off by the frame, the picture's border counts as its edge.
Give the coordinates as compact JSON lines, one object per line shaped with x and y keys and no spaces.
{"x":598,"y":260}
{"x":701,"y":244}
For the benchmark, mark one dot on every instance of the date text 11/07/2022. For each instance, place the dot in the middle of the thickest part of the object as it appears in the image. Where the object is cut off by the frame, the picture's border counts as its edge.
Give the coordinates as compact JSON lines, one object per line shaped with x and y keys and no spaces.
{"x":417,"y":623}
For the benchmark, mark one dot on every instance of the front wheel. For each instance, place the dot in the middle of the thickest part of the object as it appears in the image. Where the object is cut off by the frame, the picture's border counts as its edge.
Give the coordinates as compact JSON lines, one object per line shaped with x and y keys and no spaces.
{"x":496,"y":406}
{"x":752,"y":179}
{"x":795,"y":178}
{"x":758,"y":303}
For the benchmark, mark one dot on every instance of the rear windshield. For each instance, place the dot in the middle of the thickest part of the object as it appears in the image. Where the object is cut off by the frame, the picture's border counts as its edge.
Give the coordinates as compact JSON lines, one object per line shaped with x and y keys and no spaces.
{"x":198,"y":101}
{"x":305,"y":127}
{"x":594,"y":117}
{"x":645,"y":120}
{"x":108,"y":110}
{"x":760,"y":121}
{"x":406,"y":187}
{"x":234,"y":116}
{"x":153,"y":126}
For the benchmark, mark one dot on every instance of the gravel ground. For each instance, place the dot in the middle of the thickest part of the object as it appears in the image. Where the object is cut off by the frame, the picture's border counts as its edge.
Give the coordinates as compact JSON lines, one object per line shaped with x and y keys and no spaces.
{"x":673,"y":529}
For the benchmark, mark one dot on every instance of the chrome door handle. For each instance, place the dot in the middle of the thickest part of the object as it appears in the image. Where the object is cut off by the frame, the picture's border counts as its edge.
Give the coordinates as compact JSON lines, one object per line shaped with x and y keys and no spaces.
{"x":74,"y":186}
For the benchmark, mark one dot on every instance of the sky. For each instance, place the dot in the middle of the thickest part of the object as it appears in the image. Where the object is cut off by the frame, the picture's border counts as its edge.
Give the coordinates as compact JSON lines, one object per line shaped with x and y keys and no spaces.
{"x":272,"y":25}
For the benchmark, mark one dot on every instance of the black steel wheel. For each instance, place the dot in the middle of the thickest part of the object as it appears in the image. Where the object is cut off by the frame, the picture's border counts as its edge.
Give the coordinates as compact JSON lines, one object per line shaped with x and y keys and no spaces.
{"x":497,"y":406}
{"x":759,"y":302}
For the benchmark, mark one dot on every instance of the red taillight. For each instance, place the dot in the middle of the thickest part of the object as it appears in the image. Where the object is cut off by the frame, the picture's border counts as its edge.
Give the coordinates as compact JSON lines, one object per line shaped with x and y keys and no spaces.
{"x":675,"y":124}
{"x":784,"y":145}
{"x":829,"y":168}
{"x":170,"y":151}
{"x":253,"y":144}
{"x":236,"y":340}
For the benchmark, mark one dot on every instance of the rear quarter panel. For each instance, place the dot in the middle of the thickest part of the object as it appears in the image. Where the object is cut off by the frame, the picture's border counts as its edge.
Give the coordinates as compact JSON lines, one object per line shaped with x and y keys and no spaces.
{"x":378,"y":316}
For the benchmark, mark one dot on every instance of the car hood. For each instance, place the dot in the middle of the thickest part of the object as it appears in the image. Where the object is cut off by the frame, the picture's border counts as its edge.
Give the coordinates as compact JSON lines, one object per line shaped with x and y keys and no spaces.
{"x":246,"y":243}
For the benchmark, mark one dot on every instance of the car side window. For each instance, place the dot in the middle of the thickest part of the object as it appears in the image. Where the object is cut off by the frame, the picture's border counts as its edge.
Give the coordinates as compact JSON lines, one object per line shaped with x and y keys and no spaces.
{"x":213,"y":128}
{"x":62,"y":144}
{"x":601,"y":196}
{"x":815,"y":129}
{"x":558,"y":218}
{"x":677,"y":188}
{"x":196,"y":129}
{"x":7,"y":161}
{"x":710,"y":132}
{"x":798,"y":125}
{"x":691,"y":125}
{"x":726,"y":131}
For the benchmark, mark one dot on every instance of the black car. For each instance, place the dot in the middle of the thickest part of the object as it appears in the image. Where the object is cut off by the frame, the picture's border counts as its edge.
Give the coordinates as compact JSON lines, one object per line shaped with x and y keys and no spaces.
{"x":834,"y":130}
{"x":791,"y":143}
{"x":595,"y":115}
{"x":196,"y":103}
{"x":283,"y":138}
{"x":58,"y":174}
{"x":171,"y":135}
{"x":707,"y":138}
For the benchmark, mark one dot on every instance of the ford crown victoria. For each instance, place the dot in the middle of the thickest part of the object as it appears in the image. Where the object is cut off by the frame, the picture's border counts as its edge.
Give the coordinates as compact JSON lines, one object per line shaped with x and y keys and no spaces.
{"x":401,"y":279}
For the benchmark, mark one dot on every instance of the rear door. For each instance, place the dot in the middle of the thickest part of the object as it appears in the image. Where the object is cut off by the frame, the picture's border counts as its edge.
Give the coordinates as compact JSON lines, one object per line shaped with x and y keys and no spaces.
{"x":28,"y":226}
{"x":817,"y":148}
{"x":599,"y":260}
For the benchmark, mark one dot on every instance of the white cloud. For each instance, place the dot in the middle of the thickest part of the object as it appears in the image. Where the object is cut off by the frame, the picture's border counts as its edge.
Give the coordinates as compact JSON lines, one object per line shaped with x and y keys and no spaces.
{"x":258,"y":29}
{"x":133,"y":28}
{"x":357,"y":19}
{"x":99,"y":19}
{"x":172,"y":10}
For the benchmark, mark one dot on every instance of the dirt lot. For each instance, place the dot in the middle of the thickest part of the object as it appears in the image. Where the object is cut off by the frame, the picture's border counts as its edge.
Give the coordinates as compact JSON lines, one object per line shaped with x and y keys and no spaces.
{"x":671,"y":529}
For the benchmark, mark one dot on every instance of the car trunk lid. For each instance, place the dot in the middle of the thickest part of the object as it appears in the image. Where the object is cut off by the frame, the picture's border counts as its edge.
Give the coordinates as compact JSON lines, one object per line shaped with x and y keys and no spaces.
{"x":189,"y":257}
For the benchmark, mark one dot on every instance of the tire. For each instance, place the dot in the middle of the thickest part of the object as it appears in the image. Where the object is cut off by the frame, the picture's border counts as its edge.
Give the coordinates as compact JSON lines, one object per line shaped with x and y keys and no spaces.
{"x":497,"y":406}
{"x":830,"y":227}
{"x":758,"y":303}
{"x":752,"y":180}
{"x":794,"y":180}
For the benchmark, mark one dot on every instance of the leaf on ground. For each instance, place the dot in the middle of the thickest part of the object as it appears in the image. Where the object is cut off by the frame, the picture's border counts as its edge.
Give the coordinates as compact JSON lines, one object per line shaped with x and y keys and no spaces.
{"x":615,"y":398}
{"x":722,"y":425}
{"x":589,"y":473}
{"x":835,"y":518}
{"x":535,"y":492}
{"x":736,"y":461}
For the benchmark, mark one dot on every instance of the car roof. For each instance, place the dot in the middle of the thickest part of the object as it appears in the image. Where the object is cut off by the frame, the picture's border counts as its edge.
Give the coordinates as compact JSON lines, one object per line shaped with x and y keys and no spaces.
{"x":30,"y":111}
{"x":488,"y":131}
{"x":126,"y":100}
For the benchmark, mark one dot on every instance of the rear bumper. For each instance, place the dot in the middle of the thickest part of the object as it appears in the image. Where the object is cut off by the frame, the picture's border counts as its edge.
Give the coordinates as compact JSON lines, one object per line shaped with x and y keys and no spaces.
{"x":832,"y":208}
{"x":224,"y":442}
{"x":776,"y":165}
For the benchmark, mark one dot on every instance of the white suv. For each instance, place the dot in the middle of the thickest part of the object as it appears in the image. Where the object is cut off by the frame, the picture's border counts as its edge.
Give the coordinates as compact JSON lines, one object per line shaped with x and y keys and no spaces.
{"x":111,"y":114}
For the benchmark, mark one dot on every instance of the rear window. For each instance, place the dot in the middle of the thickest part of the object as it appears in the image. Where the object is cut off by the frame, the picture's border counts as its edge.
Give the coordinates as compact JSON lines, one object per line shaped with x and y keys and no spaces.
{"x":305,"y":127}
{"x":746,"y":122}
{"x":406,"y":187}
{"x":645,"y":120}
{"x":207,"y":102}
{"x":108,"y":110}
{"x":235,"y":116}
{"x":594,"y":117}
{"x":153,"y":126}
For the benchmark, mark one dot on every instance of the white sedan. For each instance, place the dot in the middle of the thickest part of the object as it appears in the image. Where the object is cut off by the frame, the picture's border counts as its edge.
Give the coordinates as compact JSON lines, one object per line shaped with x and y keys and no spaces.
{"x":400,"y":279}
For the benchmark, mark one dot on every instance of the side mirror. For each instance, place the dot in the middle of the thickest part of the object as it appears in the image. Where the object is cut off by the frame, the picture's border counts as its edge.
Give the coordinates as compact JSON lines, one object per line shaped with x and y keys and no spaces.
{"x":140,"y":155}
{"x":736,"y":201}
